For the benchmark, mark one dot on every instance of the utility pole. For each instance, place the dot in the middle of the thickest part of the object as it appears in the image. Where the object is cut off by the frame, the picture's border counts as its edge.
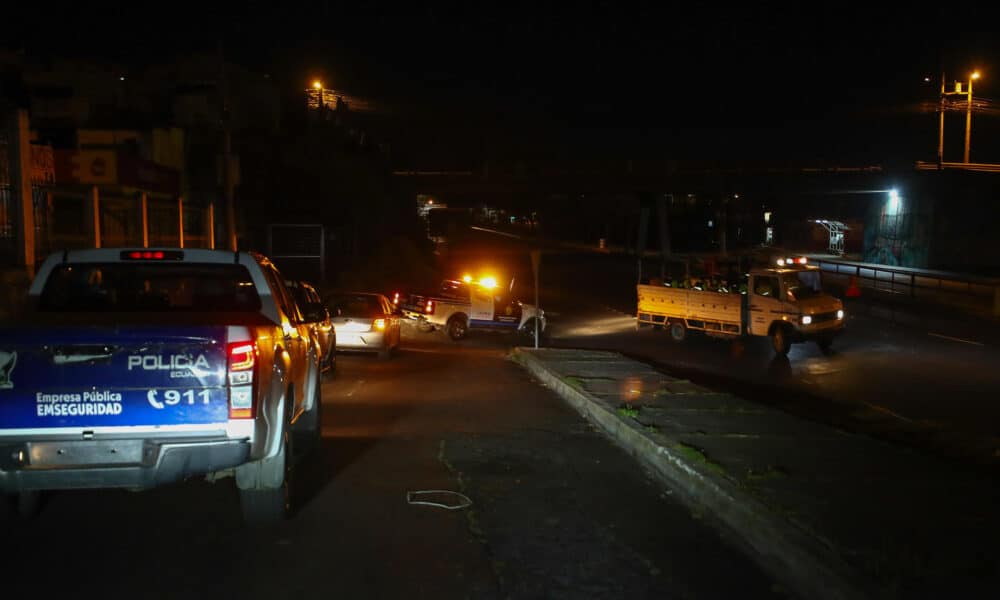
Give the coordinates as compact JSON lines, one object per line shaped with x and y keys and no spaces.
{"x":227,"y":157}
{"x":941,"y":125}
{"x":968,"y":117}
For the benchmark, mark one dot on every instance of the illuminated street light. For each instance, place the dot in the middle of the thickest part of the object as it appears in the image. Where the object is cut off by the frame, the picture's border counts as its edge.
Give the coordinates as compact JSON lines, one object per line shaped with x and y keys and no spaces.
{"x":317,"y":85}
{"x":968,"y":113}
{"x":893,"y":206}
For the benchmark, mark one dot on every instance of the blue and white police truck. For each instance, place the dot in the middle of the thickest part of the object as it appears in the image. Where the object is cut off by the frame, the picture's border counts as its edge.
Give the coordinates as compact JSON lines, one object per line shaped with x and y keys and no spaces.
{"x":138,"y":367}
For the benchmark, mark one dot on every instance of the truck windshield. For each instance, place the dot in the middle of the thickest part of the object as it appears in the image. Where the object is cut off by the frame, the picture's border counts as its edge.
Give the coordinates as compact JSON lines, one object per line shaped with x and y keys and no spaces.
{"x":161,"y":287}
{"x":802,"y":285}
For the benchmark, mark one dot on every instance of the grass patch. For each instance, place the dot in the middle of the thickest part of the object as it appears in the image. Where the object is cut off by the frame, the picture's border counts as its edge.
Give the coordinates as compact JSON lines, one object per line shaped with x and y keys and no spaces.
{"x":697,"y":456}
{"x":768,"y":473}
{"x":626,"y":410}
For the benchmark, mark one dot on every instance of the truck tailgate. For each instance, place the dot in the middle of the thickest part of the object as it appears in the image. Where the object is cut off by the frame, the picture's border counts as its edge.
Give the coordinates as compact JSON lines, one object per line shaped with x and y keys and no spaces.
{"x":91,"y":377}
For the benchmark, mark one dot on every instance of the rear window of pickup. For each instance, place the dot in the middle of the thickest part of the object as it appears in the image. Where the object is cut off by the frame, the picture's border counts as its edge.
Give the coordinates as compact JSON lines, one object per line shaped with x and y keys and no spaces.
{"x":159,"y":287}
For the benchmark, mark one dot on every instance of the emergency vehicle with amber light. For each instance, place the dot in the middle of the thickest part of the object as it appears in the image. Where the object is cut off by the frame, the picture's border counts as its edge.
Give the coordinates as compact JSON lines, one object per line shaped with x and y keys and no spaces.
{"x":471,"y":304}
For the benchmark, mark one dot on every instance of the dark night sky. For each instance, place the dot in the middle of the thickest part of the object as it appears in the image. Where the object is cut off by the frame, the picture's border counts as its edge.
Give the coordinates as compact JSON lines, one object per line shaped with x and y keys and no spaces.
{"x":612,"y":77}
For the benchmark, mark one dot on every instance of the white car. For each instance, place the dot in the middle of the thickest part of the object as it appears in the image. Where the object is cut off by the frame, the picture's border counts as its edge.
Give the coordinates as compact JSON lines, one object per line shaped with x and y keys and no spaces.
{"x":365,"y":322}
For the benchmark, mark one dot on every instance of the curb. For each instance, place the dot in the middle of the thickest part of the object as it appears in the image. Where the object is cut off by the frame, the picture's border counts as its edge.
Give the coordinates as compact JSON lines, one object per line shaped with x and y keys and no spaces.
{"x":800,"y":561}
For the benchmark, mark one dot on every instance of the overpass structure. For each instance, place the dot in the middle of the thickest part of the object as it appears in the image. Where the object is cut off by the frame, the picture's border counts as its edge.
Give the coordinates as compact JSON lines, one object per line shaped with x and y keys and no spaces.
{"x":898,"y":214}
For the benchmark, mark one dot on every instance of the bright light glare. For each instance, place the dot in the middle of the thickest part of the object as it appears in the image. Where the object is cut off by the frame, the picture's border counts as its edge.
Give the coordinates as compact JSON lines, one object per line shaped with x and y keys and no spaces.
{"x":488,"y":282}
{"x":781,"y":262}
{"x":467,"y":278}
{"x":840,"y":314}
{"x":975,"y":74}
{"x":318,"y":84}
{"x":893,"y":206}
{"x":379,"y":324}
{"x":806,"y":319}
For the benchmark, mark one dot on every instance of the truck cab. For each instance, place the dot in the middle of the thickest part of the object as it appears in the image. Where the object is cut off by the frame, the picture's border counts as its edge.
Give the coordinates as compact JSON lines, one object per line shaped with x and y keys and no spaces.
{"x":787,"y":303}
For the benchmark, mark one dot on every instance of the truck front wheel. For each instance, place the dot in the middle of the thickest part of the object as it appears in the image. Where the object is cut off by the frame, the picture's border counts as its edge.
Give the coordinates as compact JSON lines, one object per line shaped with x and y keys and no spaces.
{"x":458,"y":328}
{"x":678,"y":331}
{"x":780,"y":341}
{"x":529,"y":331}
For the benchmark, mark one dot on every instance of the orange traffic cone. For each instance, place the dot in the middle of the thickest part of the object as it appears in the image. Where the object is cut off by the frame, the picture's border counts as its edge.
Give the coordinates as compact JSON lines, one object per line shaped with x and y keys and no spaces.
{"x":853,"y":291}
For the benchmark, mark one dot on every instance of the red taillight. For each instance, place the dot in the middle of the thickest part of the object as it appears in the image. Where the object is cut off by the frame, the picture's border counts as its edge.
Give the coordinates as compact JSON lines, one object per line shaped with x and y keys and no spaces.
{"x":242,"y":356}
{"x":429,"y":309}
{"x":241,"y":359}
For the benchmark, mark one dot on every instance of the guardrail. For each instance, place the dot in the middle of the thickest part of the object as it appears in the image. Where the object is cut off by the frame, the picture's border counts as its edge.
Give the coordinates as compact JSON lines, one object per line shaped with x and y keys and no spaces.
{"x":954,"y":289}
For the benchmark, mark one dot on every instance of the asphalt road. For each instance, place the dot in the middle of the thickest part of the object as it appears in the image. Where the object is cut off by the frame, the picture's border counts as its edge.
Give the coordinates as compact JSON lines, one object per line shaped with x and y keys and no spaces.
{"x":931,"y":385}
{"x":557,"y":510}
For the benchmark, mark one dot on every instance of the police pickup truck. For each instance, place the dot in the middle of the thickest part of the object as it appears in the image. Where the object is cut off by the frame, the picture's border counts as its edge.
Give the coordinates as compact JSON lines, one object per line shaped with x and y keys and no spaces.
{"x":785,"y":302}
{"x":463,"y":305}
{"x":135,"y":368}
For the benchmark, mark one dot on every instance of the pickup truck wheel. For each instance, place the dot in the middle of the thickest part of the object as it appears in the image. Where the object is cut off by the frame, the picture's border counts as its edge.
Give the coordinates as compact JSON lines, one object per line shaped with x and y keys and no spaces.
{"x":529,"y":332}
{"x":311,"y":422}
{"x":779,"y":339}
{"x":457,"y":328}
{"x":678,"y":331}
{"x":269,"y":505}
{"x":266,"y":502}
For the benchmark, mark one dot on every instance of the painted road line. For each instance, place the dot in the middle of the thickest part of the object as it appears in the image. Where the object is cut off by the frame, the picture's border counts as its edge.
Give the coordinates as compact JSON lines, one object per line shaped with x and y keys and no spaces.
{"x":955,"y":339}
{"x":886,"y":411}
{"x":355,"y":387}
{"x":495,"y":232}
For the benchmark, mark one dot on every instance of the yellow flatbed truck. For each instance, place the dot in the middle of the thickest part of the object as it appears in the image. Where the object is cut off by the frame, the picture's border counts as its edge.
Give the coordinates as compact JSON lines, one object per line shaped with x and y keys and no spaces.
{"x":786,"y":303}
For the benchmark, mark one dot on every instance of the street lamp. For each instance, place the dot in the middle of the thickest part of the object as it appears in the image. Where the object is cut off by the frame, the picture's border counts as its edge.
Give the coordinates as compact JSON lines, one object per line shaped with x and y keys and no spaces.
{"x":968,"y":115}
{"x":317,"y":85}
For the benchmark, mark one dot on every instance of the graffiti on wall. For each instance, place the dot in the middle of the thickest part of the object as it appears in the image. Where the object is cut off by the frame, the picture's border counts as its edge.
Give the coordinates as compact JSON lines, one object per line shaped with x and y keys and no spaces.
{"x":897,"y":232}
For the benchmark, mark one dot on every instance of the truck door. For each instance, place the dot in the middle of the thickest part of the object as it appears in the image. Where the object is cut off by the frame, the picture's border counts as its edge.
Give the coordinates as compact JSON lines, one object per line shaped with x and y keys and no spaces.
{"x":765,"y":302}
{"x":482,"y":304}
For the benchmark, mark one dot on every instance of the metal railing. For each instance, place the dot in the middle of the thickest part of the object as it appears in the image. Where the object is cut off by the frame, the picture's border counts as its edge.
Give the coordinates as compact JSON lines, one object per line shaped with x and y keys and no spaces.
{"x":941,"y":287}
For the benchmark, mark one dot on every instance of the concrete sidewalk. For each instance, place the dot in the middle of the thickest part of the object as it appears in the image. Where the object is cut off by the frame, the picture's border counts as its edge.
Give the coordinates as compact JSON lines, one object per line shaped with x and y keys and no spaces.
{"x":831,"y":514}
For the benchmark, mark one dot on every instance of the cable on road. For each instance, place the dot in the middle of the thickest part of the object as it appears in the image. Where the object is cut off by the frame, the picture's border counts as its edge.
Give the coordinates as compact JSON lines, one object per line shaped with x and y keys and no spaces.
{"x":414,"y":498}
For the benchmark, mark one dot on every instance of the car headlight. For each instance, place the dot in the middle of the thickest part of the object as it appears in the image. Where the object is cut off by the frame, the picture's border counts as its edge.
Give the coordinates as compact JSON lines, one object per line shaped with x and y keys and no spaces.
{"x":806,"y":319}
{"x":840,"y":314}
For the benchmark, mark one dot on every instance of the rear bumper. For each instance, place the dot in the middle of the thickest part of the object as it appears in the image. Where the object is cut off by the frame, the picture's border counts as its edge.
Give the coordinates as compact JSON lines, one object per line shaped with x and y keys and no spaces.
{"x":368,"y":340}
{"x":128,"y":463}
